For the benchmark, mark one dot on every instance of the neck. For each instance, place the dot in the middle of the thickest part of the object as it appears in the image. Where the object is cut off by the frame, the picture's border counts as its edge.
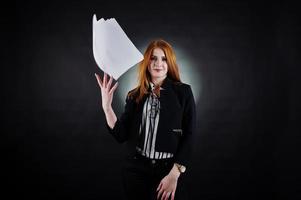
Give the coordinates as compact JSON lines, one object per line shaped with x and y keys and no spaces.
{"x":158,"y":81}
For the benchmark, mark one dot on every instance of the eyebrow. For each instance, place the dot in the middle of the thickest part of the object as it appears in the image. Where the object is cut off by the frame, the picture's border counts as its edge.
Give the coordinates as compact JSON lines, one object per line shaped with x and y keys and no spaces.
{"x":157,"y":56}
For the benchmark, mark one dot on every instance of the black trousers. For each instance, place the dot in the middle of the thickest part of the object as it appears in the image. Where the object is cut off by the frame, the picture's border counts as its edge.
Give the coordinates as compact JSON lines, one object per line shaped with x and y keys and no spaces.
{"x":142,"y":176}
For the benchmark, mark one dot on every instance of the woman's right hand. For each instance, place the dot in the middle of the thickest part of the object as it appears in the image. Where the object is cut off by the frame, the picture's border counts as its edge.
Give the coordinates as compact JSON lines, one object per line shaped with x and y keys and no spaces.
{"x":107,"y":91}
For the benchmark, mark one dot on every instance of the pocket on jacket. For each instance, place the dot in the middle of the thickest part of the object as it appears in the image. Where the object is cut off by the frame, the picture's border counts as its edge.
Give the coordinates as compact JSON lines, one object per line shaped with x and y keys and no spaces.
{"x":177,"y":131}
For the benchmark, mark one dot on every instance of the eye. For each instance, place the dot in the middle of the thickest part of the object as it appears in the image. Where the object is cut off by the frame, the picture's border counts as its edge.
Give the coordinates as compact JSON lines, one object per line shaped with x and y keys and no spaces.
{"x":164,"y":59}
{"x":153,"y":58}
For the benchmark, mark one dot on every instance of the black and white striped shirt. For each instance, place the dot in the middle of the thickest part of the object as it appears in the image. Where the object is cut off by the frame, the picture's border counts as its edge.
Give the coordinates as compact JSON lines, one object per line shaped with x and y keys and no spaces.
{"x":149,"y":125}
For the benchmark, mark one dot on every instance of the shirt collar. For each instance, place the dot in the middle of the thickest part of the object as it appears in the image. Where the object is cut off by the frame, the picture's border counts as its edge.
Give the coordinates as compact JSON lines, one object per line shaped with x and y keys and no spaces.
{"x":152,"y":86}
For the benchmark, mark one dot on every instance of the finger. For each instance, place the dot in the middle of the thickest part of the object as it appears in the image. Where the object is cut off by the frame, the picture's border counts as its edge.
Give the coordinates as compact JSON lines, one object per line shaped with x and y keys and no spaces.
{"x":110,"y":82}
{"x":113,"y":88}
{"x":173,"y":195}
{"x":159,"y":187}
{"x":163,"y":195}
{"x":98,"y":80}
{"x":159,"y":194}
{"x":105,"y":80}
{"x":167,"y":195}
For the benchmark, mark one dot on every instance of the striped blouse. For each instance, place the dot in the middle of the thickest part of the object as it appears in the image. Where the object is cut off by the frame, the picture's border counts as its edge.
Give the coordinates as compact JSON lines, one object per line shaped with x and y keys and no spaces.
{"x":149,"y":125}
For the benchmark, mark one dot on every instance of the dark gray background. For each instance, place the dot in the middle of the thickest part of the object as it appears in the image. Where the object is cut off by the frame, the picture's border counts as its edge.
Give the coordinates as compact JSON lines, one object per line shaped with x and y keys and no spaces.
{"x":246,"y":54}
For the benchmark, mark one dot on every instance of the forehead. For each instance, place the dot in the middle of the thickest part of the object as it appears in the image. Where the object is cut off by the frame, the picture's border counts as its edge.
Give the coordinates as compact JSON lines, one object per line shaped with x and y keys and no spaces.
{"x":158,"y":52}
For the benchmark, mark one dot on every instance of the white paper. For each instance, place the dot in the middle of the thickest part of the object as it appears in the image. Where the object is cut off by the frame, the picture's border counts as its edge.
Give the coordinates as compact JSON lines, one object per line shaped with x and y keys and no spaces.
{"x":113,"y":51}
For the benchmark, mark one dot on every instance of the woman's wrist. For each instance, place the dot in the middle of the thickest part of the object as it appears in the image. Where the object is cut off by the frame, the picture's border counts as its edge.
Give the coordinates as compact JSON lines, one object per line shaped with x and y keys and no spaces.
{"x":110,"y":116}
{"x":175,"y":172}
{"x":107,"y":109}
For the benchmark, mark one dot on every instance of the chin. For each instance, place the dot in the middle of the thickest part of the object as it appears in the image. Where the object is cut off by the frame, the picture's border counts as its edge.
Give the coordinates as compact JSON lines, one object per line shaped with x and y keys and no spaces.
{"x":158,"y":76}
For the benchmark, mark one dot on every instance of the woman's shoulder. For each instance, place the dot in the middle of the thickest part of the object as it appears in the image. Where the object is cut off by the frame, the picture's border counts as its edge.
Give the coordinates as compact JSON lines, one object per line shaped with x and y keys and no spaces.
{"x":183,"y":90}
{"x":133,"y":94}
{"x":184,"y":87}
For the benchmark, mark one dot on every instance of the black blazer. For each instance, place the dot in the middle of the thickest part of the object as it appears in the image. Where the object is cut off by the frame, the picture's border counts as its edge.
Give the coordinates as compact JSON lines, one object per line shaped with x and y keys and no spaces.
{"x":176,"y":123}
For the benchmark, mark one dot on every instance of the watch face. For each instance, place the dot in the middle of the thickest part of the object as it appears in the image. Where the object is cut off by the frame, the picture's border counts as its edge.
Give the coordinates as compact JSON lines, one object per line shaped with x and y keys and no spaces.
{"x":182,"y":169}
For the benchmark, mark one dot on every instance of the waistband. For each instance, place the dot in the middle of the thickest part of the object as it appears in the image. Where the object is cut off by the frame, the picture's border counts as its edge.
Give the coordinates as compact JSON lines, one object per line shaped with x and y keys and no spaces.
{"x":147,"y":160}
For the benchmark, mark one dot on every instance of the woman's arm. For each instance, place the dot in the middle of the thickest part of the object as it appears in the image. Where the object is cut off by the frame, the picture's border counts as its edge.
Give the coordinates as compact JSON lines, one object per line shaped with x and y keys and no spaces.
{"x":110,"y":117}
{"x":107,"y":93}
{"x":168,"y":185}
{"x":184,"y":150}
{"x":117,"y":127}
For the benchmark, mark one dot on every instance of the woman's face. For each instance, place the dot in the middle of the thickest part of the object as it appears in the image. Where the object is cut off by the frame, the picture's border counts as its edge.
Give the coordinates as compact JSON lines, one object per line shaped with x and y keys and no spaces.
{"x":158,"y":66}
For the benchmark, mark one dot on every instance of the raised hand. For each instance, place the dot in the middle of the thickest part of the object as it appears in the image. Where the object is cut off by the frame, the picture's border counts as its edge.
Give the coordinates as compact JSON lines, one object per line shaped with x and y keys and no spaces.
{"x":107,"y":91}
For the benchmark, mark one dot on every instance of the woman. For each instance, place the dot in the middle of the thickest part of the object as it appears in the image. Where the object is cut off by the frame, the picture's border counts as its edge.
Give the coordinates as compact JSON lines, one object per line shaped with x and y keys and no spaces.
{"x":157,"y":125}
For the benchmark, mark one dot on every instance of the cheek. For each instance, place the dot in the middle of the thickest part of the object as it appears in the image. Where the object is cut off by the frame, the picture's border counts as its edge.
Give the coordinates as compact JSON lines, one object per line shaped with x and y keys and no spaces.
{"x":149,"y":68}
{"x":151,"y":65}
{"x":166,"y":67}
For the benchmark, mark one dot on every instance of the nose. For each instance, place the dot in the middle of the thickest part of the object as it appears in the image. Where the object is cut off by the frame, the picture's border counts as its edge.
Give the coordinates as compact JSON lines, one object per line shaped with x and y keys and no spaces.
{"x":158,"y":62}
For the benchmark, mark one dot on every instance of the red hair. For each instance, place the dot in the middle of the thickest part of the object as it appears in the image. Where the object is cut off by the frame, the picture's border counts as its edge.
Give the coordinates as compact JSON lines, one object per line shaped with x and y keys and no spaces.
{"x":144,"y":76}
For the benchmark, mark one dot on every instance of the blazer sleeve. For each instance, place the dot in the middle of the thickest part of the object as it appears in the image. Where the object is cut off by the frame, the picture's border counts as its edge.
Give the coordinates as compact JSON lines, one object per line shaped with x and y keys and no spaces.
{"x":121,"y":128}
{"x":184,"y":149}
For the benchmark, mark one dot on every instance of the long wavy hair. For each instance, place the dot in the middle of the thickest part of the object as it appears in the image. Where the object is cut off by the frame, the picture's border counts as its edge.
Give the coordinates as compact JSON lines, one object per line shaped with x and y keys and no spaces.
{"x":144,"y":77}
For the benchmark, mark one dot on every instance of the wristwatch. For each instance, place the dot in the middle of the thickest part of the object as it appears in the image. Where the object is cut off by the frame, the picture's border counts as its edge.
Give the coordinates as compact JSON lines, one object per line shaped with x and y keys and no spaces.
{"x":181,"y":168}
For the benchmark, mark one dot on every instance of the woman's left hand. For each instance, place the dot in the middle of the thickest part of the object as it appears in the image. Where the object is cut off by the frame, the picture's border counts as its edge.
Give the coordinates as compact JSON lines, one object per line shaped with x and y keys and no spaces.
{"x":168,"y":185}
